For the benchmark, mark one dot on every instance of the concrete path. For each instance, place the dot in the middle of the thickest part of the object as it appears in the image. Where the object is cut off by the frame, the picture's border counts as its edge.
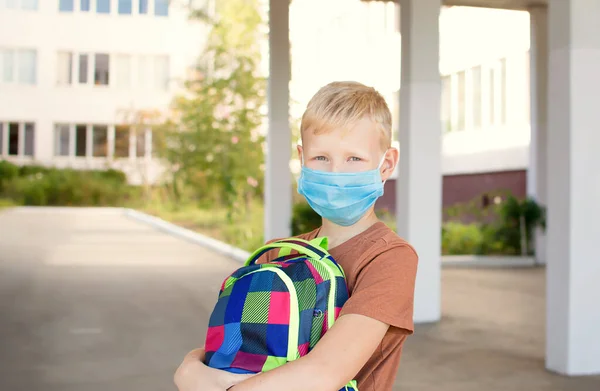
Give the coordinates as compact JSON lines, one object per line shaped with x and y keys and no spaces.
{"x":92,"y":300}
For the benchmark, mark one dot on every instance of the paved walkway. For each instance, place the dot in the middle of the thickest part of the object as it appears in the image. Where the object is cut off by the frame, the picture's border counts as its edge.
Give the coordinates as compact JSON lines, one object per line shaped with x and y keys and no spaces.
{"x":92,"y":300}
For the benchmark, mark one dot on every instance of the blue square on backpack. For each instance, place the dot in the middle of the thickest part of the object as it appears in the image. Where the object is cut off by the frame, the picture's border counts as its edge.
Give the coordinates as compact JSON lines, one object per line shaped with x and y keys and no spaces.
{"x":302,"y":273}
{"x":323,"y":294}
{"x":217,"y":318}
{"x":306,"y":320}
{"x":277,"y":339}
{"x":232,"y":341}
{"x":237,"y":299}
{"x":279,"y":285}
{"x":262,"y":282}
{"x":255,"y":338}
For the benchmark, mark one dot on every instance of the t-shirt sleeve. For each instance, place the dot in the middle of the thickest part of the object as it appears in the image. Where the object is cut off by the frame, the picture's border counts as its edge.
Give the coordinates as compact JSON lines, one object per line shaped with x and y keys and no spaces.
{"x":384,"y":289}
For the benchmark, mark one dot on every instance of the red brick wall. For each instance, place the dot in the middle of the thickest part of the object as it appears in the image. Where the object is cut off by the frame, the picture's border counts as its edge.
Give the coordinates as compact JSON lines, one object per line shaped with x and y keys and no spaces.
{"x":464,"y":188}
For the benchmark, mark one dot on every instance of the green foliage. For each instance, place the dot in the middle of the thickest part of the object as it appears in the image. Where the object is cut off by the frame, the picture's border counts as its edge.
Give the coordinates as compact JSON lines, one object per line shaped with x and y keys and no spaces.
{"x":519,"y":219}
{"x":460,"y":239}
{"x":507,"y":228}
{"x":41,"y":186}
{"x":304,"y":218}
{"x":212,"y":140}
{"x":8,"y":172}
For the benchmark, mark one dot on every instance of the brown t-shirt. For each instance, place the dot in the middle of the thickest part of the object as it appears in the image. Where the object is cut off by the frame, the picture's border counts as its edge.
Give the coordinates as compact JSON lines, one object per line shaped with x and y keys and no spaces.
{"x":380,"y":271}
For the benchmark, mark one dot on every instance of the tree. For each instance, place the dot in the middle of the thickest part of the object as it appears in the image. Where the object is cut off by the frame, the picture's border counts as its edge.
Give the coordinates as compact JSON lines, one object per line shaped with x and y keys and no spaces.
{"x":212,"y":140}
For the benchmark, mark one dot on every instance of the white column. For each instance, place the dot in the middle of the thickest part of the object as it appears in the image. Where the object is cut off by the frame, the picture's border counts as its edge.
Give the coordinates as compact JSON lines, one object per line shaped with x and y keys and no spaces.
{"x":419,"y":186}
{"x":537,"y":171}
{"x":573,"y":270}
{"x":278,"y":179}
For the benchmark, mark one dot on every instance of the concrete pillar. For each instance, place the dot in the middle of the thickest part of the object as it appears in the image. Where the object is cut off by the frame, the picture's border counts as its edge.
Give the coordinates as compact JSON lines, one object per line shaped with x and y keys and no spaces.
{"x":573,"y":270}
{"x":537,"y":172}
{"x":419,"y":186}
{"x":278,"y":178}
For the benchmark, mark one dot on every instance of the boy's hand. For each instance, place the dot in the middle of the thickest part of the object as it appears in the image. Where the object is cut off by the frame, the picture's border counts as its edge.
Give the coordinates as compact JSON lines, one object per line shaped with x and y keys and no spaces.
{"x":194,"y":375}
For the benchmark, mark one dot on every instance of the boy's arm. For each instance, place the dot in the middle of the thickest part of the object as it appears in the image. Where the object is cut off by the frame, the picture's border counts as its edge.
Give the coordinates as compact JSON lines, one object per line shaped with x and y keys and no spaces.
{"x":383,"y":297}
{"x":334,"y":361}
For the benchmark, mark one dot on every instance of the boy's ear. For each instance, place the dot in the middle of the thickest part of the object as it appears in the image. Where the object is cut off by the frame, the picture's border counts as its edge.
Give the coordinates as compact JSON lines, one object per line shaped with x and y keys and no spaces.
{"x":389,"y":163}
{"x":299,"y":148}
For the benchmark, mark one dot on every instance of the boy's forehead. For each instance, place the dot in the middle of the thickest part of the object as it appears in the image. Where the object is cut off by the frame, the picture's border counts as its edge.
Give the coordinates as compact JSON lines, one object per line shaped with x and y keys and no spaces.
{"x":363,"y":135}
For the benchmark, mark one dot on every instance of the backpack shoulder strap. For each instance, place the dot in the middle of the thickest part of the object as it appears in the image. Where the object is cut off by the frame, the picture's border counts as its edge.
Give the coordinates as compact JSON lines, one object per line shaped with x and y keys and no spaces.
{"x":285,"y":246}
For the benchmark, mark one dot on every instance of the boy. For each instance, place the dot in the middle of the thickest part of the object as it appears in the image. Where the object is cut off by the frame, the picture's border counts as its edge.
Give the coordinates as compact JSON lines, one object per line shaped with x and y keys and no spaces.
{"x":346,"y":158}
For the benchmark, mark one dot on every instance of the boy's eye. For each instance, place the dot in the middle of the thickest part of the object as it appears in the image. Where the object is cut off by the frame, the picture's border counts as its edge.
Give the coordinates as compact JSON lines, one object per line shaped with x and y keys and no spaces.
{"x":321,"y":158}
{"x":355,"y":159}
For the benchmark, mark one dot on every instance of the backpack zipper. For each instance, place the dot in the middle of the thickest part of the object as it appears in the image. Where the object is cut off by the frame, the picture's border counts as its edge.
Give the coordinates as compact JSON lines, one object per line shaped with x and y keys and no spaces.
{"x":332,"y":291}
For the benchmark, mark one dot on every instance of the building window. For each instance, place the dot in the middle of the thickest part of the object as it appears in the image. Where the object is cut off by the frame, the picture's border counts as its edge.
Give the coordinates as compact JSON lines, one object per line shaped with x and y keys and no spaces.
{"x":10,"y":4}
{"x":101,"y":69}
{"x":80,"y":140}
{"x":492,"y":97}
{"x":65,"y":68}
{"x":7,"y":58}
{"x":100,"y":141}
{"x":161,"y":72}
{"x":103,"y":6}
{"x":27,"y":66}
{"x":13,"y":138}
{"x":29,"y":5}
{"x":161,"y":7}
{"x":502,"y":76}
{"x":477,"y":95}
{"x":84,"y":5}
{"x":61,"y":140}
{"x":140,"y":144}
{"x":462,"y":100}
{"x":66,"y":5}
{"x":143,"y":7}
{"x":20,"y":139}
{"x":18,"y":66}
{"x":83,"y":68}
{"x":122,"y":133}
{"x":123,"y":71}
{"x":144,"y":71}
{"x":125,"y":7}
{"x":447,"y":103}
{"x":29,"y":139}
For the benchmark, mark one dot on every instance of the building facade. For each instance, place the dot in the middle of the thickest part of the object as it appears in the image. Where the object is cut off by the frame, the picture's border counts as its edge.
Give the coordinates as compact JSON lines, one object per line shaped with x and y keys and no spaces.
{"x":75,"y":75}
{"x":485,"y":83}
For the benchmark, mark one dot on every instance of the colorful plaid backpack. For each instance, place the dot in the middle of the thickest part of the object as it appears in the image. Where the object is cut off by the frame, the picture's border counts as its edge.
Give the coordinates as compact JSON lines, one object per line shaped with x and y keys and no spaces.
{"x":270,"y":314}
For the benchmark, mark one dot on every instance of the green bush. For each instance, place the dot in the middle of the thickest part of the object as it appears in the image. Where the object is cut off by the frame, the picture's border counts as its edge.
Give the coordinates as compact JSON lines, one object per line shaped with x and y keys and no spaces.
{"x":8,"y":172}
{"x":41,"y":186}
{"x":304,"y":219}
{"x":459,"y":239}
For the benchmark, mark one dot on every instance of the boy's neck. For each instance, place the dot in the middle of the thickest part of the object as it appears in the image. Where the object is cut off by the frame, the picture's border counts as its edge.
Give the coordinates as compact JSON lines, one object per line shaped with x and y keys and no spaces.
{"x":338,"y":234}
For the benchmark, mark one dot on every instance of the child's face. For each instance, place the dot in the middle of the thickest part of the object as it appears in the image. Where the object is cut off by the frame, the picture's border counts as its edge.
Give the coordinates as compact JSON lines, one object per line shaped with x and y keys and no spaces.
{"x":354,"y":150}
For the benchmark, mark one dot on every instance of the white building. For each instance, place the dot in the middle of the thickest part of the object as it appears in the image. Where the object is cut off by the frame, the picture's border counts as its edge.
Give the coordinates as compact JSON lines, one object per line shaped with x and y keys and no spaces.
{"x":72,"y":71}
{"x":485,"y":95}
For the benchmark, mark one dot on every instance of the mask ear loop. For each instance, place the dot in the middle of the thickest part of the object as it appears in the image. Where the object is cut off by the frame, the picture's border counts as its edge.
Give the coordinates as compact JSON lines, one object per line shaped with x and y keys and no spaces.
{"x":381,"y":162}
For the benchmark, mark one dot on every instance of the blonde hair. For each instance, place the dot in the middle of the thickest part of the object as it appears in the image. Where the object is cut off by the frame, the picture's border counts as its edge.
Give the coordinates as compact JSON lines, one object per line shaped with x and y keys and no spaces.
{"x":342,"y":104}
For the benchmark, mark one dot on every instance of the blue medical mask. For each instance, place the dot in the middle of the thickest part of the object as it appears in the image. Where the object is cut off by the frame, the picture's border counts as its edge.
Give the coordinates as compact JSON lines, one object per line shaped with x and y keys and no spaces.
{"x":341,"y":197}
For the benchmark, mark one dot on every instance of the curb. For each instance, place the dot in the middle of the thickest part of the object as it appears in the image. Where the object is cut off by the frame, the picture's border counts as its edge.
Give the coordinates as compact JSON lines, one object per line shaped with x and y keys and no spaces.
{"x":488,"y":261}
{"x":189,"y":235}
